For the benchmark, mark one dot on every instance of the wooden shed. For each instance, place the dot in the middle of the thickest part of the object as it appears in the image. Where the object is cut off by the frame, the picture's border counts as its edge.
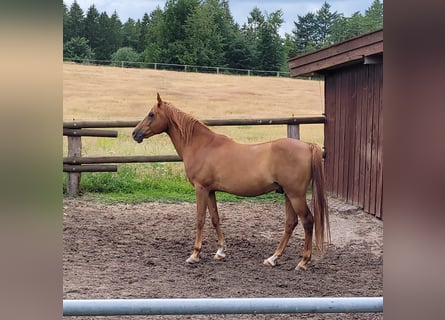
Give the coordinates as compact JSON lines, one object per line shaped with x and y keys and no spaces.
{"x":353,"y":132}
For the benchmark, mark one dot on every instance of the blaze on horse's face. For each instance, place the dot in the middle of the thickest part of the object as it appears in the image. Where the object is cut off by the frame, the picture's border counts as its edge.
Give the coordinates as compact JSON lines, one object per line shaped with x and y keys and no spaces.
{"x":154,"y":123}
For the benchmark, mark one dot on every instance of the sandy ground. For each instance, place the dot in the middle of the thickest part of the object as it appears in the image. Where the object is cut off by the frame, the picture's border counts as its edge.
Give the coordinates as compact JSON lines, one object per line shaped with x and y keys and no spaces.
{"x":139,"y":251}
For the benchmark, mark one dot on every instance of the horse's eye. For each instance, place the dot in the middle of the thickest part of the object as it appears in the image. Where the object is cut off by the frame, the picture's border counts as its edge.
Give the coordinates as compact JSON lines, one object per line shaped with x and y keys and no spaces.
{"x":151,"y":114}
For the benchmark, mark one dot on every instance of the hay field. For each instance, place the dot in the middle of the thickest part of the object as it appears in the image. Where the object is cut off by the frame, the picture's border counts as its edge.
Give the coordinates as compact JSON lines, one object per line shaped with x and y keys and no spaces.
{"x":102,"y":92}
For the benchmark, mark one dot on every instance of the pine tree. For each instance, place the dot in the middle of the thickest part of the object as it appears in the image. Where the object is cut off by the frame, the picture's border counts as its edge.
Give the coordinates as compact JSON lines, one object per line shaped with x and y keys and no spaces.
{"x":174,"y":32}
{"x":153,"y":51}
{"x":116,"y":32}
{"x":270,"y":49}
{"x":143,"y":33}
{"x":251,"y":31}
{"x":373,"y":18}
{"x":325,"y":20}
{"x":66,"y":17}
{"x":203,"y":44}
{"x":75,"y":22}
{"x":305,"y":34}
{"x":91,"y":26}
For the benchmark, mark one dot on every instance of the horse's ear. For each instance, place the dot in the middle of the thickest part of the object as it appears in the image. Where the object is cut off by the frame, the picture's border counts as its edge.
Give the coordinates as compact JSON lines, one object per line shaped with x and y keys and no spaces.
{"x":159,"y":99}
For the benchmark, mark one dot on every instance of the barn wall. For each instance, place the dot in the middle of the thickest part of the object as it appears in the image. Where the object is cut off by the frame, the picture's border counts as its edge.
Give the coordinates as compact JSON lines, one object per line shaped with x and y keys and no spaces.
{"x":354,"y":135}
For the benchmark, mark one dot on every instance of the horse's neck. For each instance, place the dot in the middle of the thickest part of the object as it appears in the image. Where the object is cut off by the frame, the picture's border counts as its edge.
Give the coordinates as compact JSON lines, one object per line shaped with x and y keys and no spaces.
{"x":200,"y":135}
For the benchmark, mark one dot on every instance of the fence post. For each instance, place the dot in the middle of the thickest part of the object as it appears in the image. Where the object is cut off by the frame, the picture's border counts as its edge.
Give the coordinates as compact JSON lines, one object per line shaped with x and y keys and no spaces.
{"x":74,"y":150}
{"x":293,"y":131}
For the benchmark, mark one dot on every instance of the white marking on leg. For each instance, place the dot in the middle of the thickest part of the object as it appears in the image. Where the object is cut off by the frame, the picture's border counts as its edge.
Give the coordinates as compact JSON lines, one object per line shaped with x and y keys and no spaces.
{"x":220,"y":253}
{"x":192,"y":259}
{"x":271,"y":261}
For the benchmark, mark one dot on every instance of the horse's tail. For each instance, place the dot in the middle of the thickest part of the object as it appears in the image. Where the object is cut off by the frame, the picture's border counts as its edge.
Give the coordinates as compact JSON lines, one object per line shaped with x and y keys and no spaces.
{"x":319,"y":202}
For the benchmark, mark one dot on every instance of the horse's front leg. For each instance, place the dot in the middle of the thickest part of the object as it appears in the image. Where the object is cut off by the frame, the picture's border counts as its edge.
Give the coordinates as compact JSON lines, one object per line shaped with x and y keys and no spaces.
{"x":213,"y":210}
{"x":202,"y":197}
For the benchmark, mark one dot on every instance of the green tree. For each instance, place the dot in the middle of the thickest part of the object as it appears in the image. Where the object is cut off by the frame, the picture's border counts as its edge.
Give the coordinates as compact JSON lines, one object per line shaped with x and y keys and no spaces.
{"x":126,"y":54}
{"x":105,"y":45}
{"x":116,"y":31}
{"x":130,"y":34}
{"x":154,"y":49}
{"x":270,"y":47}
{"x":143,"y":32}
{"x":203,"y":43}
{"x":225,"y":28}
{"x":325,"y":20}
{"x":66,"y":17}
{"x":91,"y":26}
{"x":346,"y":28}
{"x":238,"y":54}
{"x":174,"y":32}
{"x":305,"y":33}
{"x":77,"y":48}
{"x":75,"y":21}
{"x":373,"y":18}
{"x":251,"y":31}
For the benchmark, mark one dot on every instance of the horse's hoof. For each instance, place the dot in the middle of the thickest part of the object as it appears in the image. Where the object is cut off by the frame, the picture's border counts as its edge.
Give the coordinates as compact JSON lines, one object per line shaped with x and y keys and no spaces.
{"x":219,"y":256}
{"x":270,"y":262}
{"x":267,"y":263}
{"x":301,"y":267}
{"x":192,"y":260}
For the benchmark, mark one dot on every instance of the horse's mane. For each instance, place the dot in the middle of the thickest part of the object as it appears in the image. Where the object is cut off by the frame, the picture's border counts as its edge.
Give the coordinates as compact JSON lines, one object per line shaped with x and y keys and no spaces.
{"x":185,"y":123}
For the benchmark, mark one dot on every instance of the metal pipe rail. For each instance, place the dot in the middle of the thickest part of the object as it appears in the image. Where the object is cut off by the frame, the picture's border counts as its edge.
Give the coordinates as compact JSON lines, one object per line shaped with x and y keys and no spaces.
{"x":113,"y":307}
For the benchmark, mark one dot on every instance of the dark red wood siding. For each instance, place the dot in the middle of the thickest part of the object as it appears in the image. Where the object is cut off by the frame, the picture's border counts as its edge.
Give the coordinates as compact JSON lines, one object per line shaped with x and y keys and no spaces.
{"x":354,"y":135}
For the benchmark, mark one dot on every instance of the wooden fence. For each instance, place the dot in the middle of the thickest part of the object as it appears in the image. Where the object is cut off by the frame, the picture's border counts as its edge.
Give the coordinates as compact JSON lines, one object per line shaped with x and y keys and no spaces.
{"x":75,"y":163}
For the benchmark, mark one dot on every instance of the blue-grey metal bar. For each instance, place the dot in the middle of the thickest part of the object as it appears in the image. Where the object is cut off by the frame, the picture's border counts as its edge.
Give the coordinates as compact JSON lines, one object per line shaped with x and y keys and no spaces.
{"x":112,"y":307}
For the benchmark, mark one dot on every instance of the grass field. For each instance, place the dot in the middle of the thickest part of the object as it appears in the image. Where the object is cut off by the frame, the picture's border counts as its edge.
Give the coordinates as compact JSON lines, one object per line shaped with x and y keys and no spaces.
{"x":100,"y":93}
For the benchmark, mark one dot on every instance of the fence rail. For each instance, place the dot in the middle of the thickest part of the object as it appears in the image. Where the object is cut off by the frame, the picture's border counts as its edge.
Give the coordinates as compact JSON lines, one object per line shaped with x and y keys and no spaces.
{"x":114,"y":307}
{"x":75,"y":163}
{"x":181,"y":67}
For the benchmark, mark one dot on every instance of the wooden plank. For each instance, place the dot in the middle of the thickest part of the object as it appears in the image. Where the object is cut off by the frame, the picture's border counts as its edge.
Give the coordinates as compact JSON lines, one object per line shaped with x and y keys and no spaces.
{"x":293,"y":131}
{"x":336,"y":133}
{"x":352,"y":74}
{"x":72,"y":169}
{"x":74,"y":150}
{"x":100,"y":124}
{"x":358,"y":133}
{"x":341,"y":136}
{"x":363,"y":136}
{"x":374,"y":145}
{"x":344,"y":155}
{"x":90,"y":133}
{"x":121,"y":159}
{"x":359,"y":42}
{"x":368,"y":163}
{"x":211,"y":122}
{"x":329,"y":132}
{"x":379,"y":195}
{"x":356,"y":55}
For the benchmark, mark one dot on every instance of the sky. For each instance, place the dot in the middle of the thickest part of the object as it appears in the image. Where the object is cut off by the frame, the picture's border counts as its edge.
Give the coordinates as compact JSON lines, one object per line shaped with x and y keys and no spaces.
{"x":240,"y":9}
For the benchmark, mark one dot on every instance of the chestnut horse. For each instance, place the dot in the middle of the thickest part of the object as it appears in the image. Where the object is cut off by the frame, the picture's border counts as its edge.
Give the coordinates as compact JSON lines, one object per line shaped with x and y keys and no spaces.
{"x":214,"y":162}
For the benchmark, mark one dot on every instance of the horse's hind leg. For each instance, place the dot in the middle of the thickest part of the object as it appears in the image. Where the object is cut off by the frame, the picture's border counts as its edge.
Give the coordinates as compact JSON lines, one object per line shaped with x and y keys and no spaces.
{"x":290,"y":224}
{"x":300,"y":206}
{"x":213,"y":210}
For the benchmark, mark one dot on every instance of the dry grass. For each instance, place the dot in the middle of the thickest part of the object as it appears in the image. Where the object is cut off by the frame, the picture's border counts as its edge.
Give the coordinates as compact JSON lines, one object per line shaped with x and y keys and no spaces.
{"x":99,"y":93}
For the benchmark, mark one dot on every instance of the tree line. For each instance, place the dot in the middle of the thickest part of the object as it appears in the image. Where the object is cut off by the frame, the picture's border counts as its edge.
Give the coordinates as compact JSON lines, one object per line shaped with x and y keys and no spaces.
{"x":204,"y":33}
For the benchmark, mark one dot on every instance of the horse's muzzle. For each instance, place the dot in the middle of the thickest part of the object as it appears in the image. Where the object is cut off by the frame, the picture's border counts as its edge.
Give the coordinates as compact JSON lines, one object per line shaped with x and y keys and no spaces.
{"x":138,"y":136}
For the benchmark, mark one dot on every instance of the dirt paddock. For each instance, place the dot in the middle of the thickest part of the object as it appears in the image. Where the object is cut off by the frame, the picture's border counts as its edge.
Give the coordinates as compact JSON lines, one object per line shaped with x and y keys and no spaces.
{"x":139,"y":251}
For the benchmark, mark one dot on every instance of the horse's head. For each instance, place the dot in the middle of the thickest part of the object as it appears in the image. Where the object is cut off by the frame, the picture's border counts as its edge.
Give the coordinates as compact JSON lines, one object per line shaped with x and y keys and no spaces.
{"x":154,"y":123}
